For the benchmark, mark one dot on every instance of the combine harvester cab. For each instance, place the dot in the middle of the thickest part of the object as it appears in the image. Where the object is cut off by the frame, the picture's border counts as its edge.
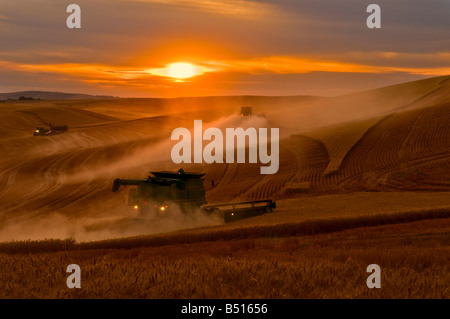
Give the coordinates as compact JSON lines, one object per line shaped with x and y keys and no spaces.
{"x":165,"y":192}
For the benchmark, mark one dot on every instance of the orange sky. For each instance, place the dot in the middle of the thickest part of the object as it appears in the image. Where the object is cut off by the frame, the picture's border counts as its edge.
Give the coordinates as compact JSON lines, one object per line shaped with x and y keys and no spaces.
{"x":236,"y":47}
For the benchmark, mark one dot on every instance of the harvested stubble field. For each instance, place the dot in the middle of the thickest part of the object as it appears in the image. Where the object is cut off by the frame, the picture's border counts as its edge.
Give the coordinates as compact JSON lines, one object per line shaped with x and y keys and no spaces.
{"x":363,"y":179}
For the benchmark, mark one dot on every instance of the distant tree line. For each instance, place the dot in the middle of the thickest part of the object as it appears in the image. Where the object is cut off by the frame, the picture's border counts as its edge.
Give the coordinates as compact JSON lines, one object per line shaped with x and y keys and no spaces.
{"x":25,"y":98}
{"x":22,"y":98}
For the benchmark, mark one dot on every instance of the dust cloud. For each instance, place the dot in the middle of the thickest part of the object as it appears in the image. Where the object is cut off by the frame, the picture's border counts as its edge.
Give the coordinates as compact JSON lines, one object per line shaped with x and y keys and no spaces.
{"x":58,"y":226}
{"x":145,"y":156}
{"x":110,"y":217}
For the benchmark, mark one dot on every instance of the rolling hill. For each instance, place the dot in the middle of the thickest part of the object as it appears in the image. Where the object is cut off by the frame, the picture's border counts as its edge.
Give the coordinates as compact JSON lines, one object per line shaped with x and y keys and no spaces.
{"x":388,"y":140}
{"x":44,"y":95}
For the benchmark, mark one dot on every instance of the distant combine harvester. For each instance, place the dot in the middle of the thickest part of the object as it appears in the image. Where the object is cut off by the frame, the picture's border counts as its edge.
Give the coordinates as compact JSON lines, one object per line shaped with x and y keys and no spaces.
{"x":246,"y":111}
{"x":54,"y":130}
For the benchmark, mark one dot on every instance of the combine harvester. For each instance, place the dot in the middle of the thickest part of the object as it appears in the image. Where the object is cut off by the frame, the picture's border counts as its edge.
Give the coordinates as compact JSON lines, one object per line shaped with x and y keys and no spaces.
{"x":246,"y":111}
{"x":157,"y":195}
{"x":54,"y":130}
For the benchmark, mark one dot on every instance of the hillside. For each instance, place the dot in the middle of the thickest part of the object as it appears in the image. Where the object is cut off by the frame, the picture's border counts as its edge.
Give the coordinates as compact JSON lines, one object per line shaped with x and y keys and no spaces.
{"x":389,"y":140}
{"x":44,"y":95}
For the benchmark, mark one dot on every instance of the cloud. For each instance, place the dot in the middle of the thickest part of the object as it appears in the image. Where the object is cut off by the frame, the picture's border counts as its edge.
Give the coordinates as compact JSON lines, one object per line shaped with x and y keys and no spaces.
{"x":124,"y":45}
{"x":236,"y":8}
{"x":255,"y":75}
{"x":4,"y":18}
{"x":377,"y":62}
{"x":298,"y":65}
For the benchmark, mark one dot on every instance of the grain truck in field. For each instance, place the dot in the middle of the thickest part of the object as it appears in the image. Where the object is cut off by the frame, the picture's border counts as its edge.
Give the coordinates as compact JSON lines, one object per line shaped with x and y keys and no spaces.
{"x":164,"y":192}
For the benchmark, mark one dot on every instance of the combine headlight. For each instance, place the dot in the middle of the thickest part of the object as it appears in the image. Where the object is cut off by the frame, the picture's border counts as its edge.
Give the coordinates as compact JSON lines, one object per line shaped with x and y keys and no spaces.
{"x":163,"y":208}
{"x":136,"y":207}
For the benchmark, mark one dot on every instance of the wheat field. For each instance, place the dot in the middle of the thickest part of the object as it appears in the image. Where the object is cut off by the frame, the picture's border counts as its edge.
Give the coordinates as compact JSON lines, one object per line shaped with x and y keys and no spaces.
{"x":413,"y":258}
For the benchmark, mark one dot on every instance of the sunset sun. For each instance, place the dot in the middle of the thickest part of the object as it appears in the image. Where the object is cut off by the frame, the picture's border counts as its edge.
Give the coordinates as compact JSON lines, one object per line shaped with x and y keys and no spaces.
{"x":181,"y":70}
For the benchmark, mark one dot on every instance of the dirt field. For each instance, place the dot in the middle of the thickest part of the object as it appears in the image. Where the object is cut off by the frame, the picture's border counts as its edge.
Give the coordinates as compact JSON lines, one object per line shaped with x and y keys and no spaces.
{"x":376,"y":165}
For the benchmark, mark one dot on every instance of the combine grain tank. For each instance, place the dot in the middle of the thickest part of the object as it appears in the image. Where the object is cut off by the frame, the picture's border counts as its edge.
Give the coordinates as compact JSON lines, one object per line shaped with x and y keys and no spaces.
{"x":165,"y":192}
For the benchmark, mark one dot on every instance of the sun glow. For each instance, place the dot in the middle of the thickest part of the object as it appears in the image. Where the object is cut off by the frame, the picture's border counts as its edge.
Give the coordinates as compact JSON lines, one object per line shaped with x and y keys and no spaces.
{"x":181,"y":70}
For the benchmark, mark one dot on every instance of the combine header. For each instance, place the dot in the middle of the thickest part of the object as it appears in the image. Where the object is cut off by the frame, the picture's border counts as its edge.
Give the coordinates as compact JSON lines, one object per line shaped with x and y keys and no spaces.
{"x":163,"y":192}
{"x":235,"y":211}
